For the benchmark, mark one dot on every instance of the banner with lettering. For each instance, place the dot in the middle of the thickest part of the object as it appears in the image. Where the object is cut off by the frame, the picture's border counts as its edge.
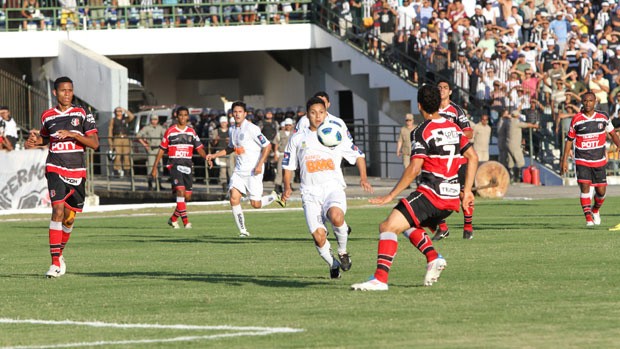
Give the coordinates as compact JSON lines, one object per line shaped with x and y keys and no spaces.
{"x":22,"y":179}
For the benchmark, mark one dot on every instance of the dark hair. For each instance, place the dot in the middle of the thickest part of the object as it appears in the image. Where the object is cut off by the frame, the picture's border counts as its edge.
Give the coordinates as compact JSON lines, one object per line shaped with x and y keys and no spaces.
{"x":429,"y":98}
{"x":4,"y":107}
{"x":589,"y":93}
{"x":182,"y":108}
{"x":445,"y":81}
{"x":322,"y":94}
{"x":61,"y":80}
{"x":314,"y":100}
{"x":239,"y":104}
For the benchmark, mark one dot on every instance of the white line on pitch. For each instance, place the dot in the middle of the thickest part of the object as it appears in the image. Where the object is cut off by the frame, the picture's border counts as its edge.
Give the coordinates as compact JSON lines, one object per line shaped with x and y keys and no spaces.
{"x":245,"y":331}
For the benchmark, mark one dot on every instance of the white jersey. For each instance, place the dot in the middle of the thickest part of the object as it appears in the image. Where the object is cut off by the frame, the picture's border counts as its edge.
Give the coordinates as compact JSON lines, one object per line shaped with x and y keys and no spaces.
{"x":248,"y":142}
{"x":318,"y":164}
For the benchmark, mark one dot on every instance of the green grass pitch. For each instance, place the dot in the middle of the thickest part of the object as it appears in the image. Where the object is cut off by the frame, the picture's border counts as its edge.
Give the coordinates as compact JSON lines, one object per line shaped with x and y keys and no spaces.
{"x":533,"y":277}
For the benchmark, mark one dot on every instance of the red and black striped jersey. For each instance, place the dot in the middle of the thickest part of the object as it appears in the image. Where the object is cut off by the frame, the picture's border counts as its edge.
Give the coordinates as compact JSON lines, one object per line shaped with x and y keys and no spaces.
{"x":455,"y":114}
{"x":441,"y":144}
{"x":66,"y":156}
{"x":180,"y":145}
{"x":589,"y":135}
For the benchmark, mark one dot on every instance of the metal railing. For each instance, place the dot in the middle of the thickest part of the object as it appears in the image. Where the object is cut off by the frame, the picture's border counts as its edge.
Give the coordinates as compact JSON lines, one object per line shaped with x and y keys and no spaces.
{"x":155,"y":16}
{"x":26,"y":102}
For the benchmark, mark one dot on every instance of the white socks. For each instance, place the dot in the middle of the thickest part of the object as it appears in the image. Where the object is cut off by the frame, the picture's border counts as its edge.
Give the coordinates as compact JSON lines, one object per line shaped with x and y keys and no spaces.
{"x":325,"y":253}
{"x":239,"y":218}
{"x":342,"y":236}
{"x":267,"y":200}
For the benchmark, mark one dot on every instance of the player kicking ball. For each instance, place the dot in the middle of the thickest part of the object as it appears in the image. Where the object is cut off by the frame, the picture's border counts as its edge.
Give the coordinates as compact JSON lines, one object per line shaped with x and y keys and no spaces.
{"x":439,"y":149}
{"x":322,"y":184}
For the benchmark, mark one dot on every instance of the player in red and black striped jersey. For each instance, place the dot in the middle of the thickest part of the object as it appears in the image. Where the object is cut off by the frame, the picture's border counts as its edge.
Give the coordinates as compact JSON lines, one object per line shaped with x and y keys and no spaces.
{"x":68,"y":129}
{"x":438,"y":152}
{"x":588,"y":133}
{"x":180,"y":141}
{"x":454,"y":113}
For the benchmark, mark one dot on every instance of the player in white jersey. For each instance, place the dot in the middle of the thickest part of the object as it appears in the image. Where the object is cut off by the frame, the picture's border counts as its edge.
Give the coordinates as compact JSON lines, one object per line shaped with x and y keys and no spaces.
{"x":322,"y":184}
{"x":252,"y":149}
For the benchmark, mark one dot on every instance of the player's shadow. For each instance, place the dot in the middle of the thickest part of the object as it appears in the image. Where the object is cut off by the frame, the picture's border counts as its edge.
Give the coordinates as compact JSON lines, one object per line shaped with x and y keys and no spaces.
{"x":227,"y":279}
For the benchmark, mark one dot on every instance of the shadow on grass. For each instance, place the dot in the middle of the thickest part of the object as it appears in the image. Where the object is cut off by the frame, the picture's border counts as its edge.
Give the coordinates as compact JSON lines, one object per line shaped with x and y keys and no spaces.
{"x":226,"y":279}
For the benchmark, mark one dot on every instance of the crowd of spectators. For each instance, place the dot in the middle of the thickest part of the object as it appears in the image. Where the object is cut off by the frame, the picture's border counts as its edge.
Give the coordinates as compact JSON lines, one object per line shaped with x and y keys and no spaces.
{"x":98,"y":14}
{"x":535,"y":57}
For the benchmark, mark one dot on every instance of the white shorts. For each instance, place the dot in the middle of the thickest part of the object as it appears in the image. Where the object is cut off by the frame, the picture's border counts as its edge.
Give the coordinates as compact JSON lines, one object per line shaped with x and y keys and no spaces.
{"x":317,"y":202}
{"x":250,"y":186}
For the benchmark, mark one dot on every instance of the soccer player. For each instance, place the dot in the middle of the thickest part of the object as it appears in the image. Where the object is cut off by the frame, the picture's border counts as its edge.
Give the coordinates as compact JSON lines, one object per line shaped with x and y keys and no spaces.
{"x":68,"y":129}
{"x":438,"y":150}
{"x":252,"y":149}
{"x":454,"y":113}
{"x":179,"y":141}
{"x":322,"y":184}
{"x":588,"y":132}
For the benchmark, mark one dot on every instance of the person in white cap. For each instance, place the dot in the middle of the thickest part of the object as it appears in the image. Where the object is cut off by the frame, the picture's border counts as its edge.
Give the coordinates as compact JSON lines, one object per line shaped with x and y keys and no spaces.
{"x":280,"y":144}
{"x":219,"y":140}
{"x":604,"y":52}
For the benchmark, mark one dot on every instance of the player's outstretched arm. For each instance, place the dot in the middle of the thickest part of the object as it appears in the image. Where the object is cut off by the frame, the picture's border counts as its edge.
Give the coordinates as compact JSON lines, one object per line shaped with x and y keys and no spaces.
{"x":202,"y":153}
{"x":410,"y":173}
{"x":361,"y":167}
{"x":615,"y":138}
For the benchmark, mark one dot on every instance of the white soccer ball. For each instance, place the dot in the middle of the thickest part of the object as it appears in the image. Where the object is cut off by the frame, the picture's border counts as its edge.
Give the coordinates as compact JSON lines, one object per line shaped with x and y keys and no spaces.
{"x":330,"y":133}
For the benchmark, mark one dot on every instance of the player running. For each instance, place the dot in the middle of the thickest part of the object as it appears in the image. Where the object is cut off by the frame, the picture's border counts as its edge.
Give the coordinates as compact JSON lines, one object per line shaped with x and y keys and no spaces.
{"x":588,"y":132}
{"x":68,"y":129}
{"x":179,"y":141}
{"x":322,"y":184}
{"x":438,"y":150}
{"x":252,"y":149}
{"x":454,"y":113}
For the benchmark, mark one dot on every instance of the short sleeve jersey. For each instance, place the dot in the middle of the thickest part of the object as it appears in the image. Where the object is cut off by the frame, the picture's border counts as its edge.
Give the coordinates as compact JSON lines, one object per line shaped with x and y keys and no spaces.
{"x":319,"y":165}
{"x":441,"y":144}
{"x":180,"y":145}
{"x":455,"y":114}
{"x":589,"y":135}
{"x":248,"y":142}
{"x":66,"y":156}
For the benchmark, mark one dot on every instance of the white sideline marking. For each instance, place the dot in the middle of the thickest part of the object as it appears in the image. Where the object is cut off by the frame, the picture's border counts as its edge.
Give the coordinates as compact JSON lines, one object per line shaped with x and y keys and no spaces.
{"x":244,"y":331}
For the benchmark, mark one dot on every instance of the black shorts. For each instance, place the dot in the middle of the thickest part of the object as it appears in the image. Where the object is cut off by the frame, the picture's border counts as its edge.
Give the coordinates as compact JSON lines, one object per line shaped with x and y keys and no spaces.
{"x":420,"y":212}
{"x":595,"y":176}
{"x":181,"y":177}
{"x":67,"y":191}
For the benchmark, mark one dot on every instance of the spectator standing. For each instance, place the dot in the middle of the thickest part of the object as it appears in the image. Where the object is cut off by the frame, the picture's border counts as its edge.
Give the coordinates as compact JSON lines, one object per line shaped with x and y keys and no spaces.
{"x":220,"y":138}
{"x":559,"y":27}
{"x":516,"y":161}
{"x":69,"y":130}
{"x":600,"y":87}
{"x":482,"y":138}
{"x":10,"y":126}
{"x":588,"y":133}
{"x":503,"y":65}
{"x":462,"y":71}
{"x":118,"y":131}
{"x":150,"y":137}
{"x":403,"y":144}
{"x":281,"y":141}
